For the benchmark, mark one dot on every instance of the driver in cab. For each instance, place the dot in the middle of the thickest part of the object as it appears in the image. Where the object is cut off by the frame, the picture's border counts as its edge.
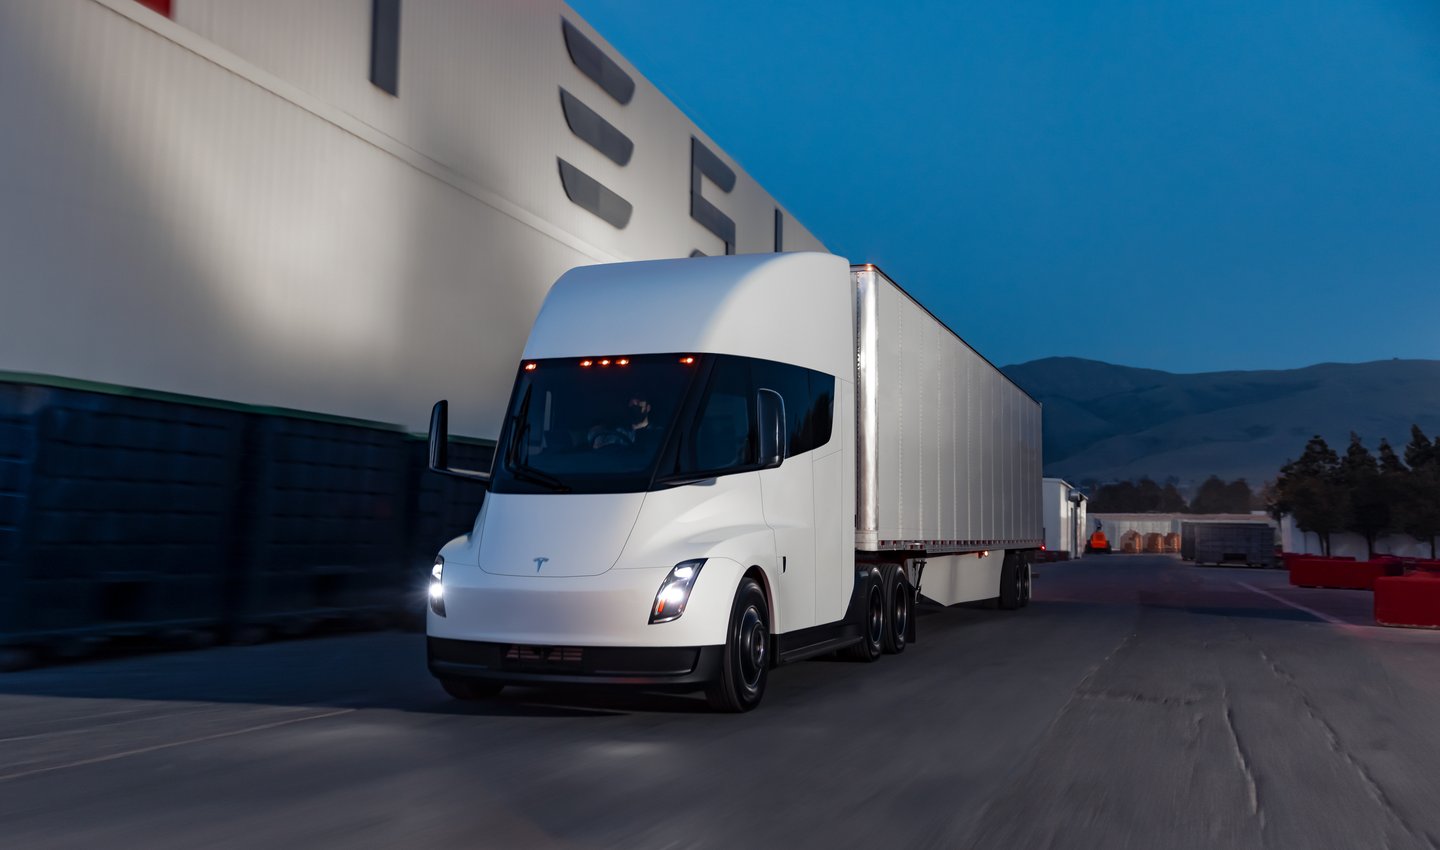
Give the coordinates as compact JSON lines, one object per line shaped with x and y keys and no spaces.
{"x":636,"y":413}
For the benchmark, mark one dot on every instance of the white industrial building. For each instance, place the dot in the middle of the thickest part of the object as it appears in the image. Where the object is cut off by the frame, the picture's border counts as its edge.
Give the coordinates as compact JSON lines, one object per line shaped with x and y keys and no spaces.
{"x":1344,"y":543}
{"x":351,"y":207}
{"x":1064,"y":512}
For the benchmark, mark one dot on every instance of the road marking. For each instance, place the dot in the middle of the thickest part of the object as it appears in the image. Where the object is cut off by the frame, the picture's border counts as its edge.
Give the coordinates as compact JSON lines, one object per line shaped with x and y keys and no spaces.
{"x":144,"y":718}
{"x":172,"y":744}
{"x":1334,"y":621}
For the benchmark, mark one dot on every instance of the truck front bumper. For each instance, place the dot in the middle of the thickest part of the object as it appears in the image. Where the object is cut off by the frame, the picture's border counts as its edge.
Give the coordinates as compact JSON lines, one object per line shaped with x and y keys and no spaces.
{"x":681,"y":668}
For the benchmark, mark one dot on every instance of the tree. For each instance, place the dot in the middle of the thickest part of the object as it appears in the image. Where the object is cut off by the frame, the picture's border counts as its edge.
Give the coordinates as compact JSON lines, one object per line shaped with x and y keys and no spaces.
{"x":1238,"y":497}
{"x":1389,"y":461}
{"x":1420,"y":452}
{"x":1369,"y":500}
{"x":1419,"y":499}
{"x":1310,"y":489}
{"x":1137,"y":497}
{"x":1209,"y":497}
{"x":1269,"y":499}
{"x":1171,"y":502}
{"x":1216,"y":497}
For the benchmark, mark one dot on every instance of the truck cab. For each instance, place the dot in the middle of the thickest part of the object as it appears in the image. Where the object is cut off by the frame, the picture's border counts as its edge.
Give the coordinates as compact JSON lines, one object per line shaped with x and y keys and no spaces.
{"x":671,"y":481}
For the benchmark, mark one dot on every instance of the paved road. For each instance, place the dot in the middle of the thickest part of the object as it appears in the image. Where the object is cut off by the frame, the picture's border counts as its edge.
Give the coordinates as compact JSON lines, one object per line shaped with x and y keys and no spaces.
{"x":1138,"y":703}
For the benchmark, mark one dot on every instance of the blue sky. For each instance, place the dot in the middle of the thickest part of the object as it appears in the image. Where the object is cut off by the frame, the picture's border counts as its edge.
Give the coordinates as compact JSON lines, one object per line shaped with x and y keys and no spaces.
{"x":1183,"y":185}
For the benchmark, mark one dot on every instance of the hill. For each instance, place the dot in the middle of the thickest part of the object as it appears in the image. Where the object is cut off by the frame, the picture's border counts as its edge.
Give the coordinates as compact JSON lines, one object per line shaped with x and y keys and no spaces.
{"x":1106,"y":422}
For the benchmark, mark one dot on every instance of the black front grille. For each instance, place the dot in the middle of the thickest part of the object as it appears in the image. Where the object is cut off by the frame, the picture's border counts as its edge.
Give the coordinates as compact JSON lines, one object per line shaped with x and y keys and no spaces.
{"x":539,"y":658}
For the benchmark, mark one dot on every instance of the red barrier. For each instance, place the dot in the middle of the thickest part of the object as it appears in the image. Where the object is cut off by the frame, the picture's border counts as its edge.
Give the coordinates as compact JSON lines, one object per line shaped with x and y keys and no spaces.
{"x":1289,"y":557}
{"x":1334,"y":573}
{"x":1412,"y":601}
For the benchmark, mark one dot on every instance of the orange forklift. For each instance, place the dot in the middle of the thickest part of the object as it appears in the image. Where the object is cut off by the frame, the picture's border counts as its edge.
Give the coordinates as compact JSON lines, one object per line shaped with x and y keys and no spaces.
{"x":1098,"y":542}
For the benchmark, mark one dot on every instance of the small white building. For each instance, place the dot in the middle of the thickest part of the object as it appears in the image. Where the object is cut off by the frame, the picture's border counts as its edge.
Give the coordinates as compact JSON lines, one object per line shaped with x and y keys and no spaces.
{"x":1064,"y":513}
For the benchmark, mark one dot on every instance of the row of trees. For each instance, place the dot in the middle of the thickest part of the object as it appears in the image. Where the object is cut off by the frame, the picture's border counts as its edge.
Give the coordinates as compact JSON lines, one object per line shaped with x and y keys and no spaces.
{"x":1146,"y":496}
{"x":1362,"y":493}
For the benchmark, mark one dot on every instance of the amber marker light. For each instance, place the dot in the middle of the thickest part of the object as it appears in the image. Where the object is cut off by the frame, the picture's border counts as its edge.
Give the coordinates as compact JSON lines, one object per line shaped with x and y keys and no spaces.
{"x":688,"y":361}
{"x":530,"y":367}
{"x":587,"y":362}
{"x":623,"y":361}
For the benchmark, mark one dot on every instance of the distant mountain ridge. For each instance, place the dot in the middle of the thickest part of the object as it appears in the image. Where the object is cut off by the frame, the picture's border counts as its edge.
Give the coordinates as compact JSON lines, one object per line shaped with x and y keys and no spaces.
{"x":1107,"y":422}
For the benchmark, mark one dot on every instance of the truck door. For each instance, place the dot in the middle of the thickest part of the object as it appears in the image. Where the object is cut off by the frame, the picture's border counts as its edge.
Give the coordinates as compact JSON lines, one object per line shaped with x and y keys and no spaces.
{"x":787,"y":493}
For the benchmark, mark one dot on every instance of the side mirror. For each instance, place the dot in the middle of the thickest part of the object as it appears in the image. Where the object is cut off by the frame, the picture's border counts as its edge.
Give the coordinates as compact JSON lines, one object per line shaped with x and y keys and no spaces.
{"x":440,"y":446}
{"x":770,"y":412}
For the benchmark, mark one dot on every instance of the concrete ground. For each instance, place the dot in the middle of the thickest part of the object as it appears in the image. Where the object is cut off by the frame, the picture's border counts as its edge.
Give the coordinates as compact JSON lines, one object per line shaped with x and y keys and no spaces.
{"x":1140,"y":702}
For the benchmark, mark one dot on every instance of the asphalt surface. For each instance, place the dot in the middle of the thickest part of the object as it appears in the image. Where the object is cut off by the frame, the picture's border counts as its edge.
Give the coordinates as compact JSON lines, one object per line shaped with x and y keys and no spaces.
{"x":1139,"y":702}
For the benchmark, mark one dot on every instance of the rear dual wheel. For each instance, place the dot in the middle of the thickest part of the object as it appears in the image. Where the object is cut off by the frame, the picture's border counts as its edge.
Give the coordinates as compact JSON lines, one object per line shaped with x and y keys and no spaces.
{"x":873,"y":624}
{"x":1014,"y":581}
{"x":1027,"y":588}
{"x":899,"y":608}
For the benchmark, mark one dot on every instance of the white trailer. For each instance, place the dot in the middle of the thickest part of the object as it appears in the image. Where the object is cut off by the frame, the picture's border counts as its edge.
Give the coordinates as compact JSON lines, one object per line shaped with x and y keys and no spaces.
{"x":712,"y":466}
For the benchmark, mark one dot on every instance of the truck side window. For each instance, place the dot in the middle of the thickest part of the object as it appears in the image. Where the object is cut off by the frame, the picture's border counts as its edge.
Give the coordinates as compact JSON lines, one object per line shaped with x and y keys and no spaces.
{"x":792,"y":383}
{"x":722,"y":438}
{"x":821,"y":410}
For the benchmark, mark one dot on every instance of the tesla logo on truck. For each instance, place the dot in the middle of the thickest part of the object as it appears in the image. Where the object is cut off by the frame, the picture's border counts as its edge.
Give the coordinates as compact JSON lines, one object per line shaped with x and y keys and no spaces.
{"x":540,"y":562}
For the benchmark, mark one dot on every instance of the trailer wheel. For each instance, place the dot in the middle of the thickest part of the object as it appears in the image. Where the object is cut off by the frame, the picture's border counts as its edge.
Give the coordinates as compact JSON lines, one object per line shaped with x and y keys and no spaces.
{"x":471,"y":689}
{"x":746,"y":663}
{"x":1026,"y":580}
{"x":898,"y":610}
{"x":872,"y":625}
{"x":1011,"y":581}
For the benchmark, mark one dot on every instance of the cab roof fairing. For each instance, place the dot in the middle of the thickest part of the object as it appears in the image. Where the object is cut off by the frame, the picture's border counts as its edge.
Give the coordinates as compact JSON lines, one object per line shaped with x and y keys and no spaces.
{"x":792,"y":308}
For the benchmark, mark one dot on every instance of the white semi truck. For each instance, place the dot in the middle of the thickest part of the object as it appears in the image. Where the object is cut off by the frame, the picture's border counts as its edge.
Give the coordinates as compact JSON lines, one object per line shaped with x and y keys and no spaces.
{"x":713,"y":466}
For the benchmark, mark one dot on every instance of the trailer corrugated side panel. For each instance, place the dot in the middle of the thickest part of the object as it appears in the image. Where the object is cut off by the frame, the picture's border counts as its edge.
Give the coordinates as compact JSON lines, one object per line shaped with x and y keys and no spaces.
{"x":948,"y":448}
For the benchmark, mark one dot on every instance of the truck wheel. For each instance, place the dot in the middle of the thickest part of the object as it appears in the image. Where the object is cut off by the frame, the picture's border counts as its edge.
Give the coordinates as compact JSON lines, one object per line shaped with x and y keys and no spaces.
{"x":872,"y":626}
{"x":471,"y":689}
{"x":746,"y":663}
{"x":897,"y":610}
{"x":1010,"y":582}
{"x":1026,"y":582}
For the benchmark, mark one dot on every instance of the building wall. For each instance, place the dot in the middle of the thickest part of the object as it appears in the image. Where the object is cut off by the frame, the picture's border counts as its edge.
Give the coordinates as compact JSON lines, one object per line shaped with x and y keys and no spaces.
{"x":1345,"y":543}
{"x":1116,"y":526}
{"x":1063,"y":518}
{"x":224,"y":205}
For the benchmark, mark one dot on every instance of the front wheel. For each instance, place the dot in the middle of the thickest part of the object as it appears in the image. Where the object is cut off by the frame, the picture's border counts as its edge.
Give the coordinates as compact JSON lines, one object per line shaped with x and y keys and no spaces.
{"x":746,"y":663}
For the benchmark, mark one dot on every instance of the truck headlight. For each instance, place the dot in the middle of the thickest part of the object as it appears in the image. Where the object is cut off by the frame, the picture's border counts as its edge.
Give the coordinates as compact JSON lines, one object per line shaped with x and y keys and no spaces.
{"x":675,"y":591}
{"x":437,"y":586}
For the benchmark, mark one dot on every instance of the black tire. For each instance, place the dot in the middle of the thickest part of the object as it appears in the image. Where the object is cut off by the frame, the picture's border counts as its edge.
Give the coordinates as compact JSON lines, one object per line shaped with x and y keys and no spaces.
{"x":872,"y":624}
{"x":471,"y":689}
{"x":899,"y":608}
{"x":745,"y":667}
{"x":1010,"y":582}
{"x":1027,"y":590}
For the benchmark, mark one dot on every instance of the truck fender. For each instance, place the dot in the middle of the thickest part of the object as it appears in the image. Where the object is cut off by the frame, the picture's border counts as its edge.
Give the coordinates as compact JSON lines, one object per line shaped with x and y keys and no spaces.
{"x":714,"y":595}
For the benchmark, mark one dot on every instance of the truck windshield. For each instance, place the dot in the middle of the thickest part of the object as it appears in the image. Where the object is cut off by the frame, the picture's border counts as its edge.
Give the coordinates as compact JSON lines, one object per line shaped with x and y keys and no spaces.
{"x":590,"y":425}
